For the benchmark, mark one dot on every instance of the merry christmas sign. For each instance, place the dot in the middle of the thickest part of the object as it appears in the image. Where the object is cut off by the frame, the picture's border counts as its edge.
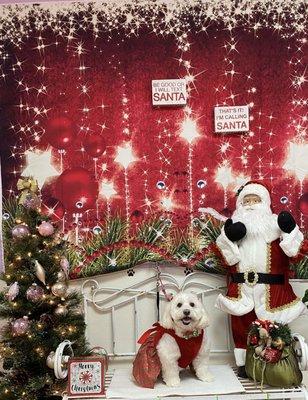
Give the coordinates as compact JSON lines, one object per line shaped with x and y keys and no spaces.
{"x":86,"y":376}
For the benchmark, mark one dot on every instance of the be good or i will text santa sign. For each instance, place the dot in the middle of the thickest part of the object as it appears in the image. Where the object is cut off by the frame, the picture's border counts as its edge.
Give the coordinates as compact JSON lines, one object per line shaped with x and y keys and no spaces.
{"x":231,"y":119}
{"x":169,"y":92}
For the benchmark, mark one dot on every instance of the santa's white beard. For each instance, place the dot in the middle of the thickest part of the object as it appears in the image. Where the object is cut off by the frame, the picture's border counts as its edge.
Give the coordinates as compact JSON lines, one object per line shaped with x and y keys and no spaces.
{"x":259,"y":221}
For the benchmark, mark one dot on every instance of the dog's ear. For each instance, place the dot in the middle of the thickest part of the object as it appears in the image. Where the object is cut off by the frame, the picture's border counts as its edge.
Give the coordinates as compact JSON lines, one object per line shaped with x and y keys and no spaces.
{"x":204,"y":321}
{"x":166,"y":320}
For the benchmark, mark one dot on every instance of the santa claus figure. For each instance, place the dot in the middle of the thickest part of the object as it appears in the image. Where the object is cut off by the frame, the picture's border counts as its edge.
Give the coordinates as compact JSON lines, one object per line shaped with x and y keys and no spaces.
{"x":257,"y":244}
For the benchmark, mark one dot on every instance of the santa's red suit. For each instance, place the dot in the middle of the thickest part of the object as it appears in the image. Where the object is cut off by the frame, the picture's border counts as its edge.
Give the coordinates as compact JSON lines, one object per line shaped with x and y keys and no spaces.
{"x":258,"y":280}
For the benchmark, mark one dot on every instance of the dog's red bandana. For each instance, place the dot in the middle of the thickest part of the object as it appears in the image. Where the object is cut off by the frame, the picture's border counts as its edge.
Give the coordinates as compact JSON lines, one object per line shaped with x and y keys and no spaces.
{"x":147,"y":365}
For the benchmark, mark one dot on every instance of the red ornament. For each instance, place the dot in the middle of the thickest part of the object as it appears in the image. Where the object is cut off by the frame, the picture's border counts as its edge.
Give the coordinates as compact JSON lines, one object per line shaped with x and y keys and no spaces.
{"x":303,"y":204}
{"x":94,"y":145}
{"x":137,"y":216}
{"x":53,"y":208}
{"x":77,"y":190}
{"x":60,"y":132}
{"x":253,"y":340}
{"x":272,"y":355}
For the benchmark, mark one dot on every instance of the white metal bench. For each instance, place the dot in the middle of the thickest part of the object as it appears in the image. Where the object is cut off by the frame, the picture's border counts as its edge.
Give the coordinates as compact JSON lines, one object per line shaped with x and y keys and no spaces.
{"x":118,"y":308}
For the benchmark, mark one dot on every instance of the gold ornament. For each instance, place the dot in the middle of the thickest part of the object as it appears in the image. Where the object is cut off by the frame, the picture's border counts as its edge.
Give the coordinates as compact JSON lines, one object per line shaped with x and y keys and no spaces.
{"x":61,"y":276}
{"x":60,"y":310}
{"x":40,"y":272}
{"x":278,"y":343}
{"x":59,"y":289}
{"x":27,"y":186}
{"x":50,"y":361}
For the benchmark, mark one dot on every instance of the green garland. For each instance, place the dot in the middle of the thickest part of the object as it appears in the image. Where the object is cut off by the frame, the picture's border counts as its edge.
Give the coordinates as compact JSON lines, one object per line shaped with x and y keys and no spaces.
{"x":154,"y":240}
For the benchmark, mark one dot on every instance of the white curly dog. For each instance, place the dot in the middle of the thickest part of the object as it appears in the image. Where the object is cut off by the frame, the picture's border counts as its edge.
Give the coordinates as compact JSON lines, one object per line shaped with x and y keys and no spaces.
{"x":186,"y":316}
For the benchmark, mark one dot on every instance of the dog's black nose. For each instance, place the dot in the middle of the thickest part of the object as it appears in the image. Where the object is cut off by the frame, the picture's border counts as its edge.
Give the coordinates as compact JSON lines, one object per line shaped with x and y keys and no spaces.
{"x":186,"y":312}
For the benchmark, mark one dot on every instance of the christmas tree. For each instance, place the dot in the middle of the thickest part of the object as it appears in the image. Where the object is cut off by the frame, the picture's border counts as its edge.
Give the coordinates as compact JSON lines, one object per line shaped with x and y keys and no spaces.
{"x":39,"y":311}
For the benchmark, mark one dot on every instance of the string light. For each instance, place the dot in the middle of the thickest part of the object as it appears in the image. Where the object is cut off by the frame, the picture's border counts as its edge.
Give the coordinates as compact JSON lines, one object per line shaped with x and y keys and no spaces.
{"x":224,"y":177}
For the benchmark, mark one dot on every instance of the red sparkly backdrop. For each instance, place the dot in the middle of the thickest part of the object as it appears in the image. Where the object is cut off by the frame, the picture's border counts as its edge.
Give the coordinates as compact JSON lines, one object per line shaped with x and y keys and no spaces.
{"x":103,"y":87}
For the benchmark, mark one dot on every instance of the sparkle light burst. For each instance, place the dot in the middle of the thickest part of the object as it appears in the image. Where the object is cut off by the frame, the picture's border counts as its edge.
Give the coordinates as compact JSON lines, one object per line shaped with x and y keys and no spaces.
{"x":125,"y":157}
{"x":189,"y":132}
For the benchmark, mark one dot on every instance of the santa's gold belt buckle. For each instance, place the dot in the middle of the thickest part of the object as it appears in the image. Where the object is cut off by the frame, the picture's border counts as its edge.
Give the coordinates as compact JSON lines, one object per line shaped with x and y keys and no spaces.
{"x":251,"y":277}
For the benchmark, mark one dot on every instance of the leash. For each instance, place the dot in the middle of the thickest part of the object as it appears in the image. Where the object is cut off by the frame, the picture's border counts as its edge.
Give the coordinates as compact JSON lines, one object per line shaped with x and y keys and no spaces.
{"x":160,"y":286}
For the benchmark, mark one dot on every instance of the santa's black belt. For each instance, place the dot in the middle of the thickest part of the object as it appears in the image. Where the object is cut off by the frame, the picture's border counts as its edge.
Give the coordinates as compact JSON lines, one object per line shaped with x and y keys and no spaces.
{"x":251,"y":278}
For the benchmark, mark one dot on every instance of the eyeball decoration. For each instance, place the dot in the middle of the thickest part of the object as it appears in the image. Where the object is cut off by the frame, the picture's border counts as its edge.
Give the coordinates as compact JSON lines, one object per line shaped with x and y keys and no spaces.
{"x":201,"y":183}
{"x":5,"y":216}
{"x":79,"y":204}
{"x":167,"y":222}
{"x":161,"y":185}
{"x":284,"y":200}
{"x":97,"y":230}
{"x":46,"y":229}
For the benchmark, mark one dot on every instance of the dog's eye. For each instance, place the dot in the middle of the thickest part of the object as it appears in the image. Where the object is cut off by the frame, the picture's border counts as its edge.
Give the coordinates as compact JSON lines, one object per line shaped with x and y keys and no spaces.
{"x":179,"y":305}
{"x":192,"y":304}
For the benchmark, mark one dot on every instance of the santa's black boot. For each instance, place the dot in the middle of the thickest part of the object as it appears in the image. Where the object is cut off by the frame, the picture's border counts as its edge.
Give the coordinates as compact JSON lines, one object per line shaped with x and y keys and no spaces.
{"x":241,"y":372}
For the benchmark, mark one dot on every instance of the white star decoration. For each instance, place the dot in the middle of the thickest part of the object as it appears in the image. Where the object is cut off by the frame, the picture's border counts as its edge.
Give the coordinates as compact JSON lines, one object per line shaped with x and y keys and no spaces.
{"x":39,"y":166}
{"x":107,"y":189}
{"x":189,"y":130}
{"x":297,"y":161}
{"x":125,"y":155}
{"x":224,"y":176}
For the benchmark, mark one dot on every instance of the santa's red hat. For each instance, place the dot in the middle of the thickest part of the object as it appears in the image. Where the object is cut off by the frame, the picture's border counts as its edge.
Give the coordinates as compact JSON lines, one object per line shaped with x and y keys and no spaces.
{"x":253,"y":187}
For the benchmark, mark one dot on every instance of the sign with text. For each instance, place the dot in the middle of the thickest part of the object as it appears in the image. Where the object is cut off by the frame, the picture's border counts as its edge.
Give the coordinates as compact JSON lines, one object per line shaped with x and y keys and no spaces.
{"x":231,"y":119}
{"x":169,"y":92}
{"x":86,"y":376}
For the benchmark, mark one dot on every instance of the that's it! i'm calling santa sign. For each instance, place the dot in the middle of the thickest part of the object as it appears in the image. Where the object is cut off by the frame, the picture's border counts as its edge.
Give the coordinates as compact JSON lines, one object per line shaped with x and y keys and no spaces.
{"x":169,"y":92}
{"x":231,"y":119}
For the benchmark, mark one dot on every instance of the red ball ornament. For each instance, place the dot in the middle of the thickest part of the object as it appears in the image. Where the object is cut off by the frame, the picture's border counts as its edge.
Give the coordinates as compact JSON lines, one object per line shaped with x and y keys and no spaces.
{"x":303,"y":204}
{"x":60,"y":132}
{"x":272,"y":355}
{"x":77,"y":190}
{"x":253,"y":340}
{"x":94,"y":145}
{"x":137,"y":216}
